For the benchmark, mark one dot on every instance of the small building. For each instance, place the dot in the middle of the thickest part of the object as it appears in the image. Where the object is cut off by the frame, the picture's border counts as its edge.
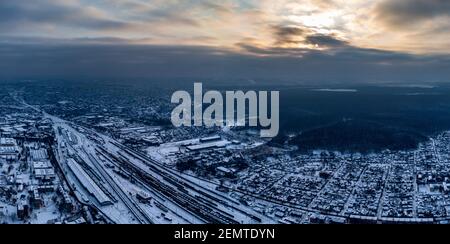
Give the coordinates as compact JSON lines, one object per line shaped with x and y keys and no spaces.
{"x":38,"y":155}
{"x":22,"y":210}
{"x":210,"y":139}
{"x":8,"y":149}
{"x":45,"y":174}
{"x":3,"y":211}
{"x":143,"y":197}
{"x":208,"y":145}
{"x":41,"y":165}
{"x":67,"y":204}
{"x":36,"y":200}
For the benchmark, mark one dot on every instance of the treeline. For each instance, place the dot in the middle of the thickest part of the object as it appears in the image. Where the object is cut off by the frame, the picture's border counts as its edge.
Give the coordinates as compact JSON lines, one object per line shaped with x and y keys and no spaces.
{"x":358,"y":136}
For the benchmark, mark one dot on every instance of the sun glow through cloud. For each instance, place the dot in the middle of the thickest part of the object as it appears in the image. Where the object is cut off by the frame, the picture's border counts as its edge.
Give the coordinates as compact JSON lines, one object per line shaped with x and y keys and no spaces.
{"x":378,"y":24}
{"x":323,"y":40}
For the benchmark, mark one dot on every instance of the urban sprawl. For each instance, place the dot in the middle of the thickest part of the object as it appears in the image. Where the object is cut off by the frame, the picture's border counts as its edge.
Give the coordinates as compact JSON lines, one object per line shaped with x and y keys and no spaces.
{"x":101,"y":167}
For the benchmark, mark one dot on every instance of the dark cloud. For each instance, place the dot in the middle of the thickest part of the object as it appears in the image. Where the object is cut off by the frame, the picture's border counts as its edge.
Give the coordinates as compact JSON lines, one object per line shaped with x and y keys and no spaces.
{"x":325,"y":41}
{"x":14,"y":14}
{"x":50,"y":59}
{"x":273,"y":51}
{"x":287,"y":34}
{"x":407,"y":13}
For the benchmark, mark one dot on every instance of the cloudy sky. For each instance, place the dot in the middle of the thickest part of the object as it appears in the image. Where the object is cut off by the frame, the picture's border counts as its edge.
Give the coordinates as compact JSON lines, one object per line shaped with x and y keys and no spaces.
{"x":310,"y":39}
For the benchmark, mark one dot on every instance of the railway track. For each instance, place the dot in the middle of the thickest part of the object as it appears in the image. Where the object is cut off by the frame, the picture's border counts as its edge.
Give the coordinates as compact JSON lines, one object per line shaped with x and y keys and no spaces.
{"x":137,"y":212}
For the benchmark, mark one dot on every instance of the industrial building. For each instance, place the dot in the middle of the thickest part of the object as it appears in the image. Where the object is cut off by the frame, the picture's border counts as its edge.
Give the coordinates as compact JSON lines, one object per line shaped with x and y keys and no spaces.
{"x":9,"y":149}
{"x":88,"y":184}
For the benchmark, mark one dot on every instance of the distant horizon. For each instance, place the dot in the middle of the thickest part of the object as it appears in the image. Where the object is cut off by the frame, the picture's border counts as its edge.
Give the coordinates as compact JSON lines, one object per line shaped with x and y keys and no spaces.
{"x":172,"y":83}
